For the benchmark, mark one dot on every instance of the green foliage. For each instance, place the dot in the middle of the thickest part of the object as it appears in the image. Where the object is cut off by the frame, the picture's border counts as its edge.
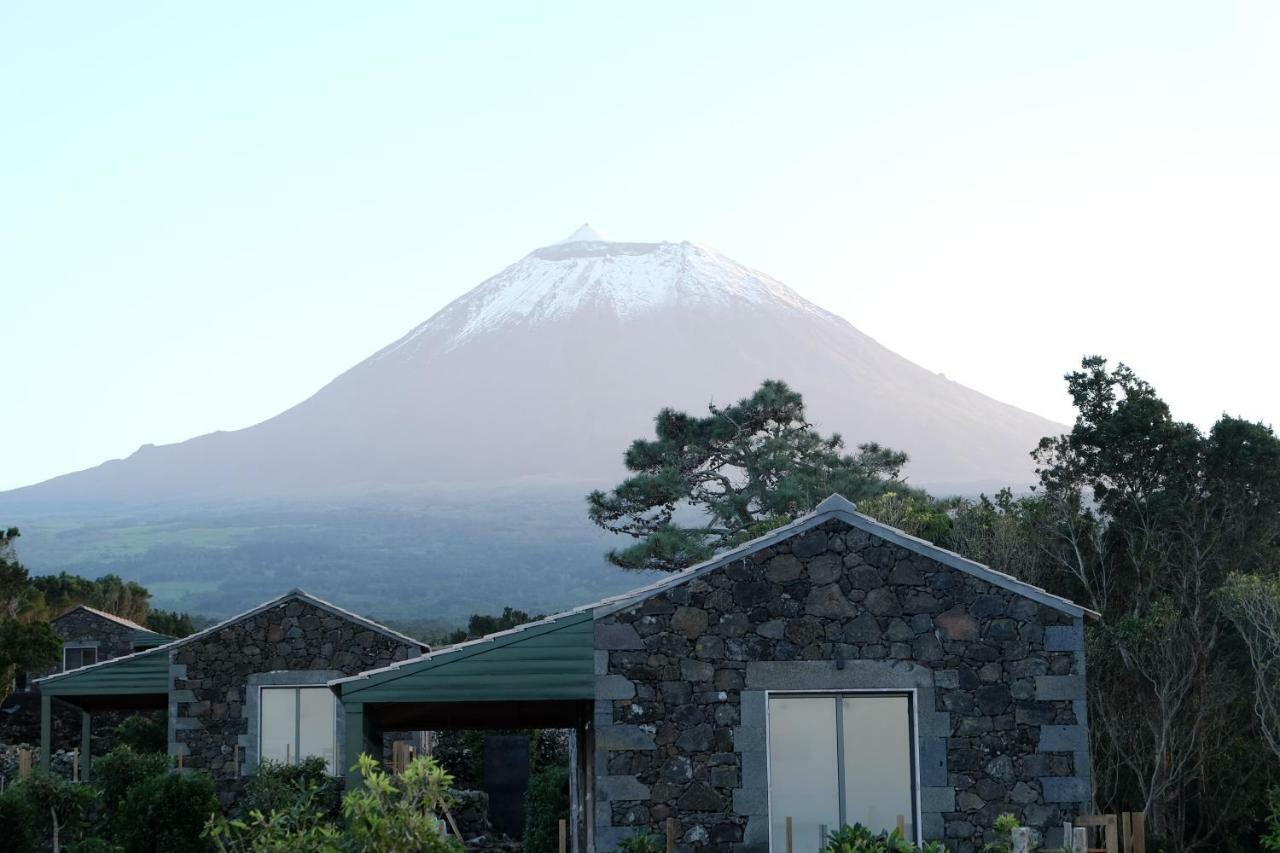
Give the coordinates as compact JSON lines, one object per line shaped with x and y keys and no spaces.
{"x":750,"y":464}
{"x":171,"y":623}
{"x":120,"y":770}
{"x":26,"y":641}
{"x":303,"y":823}
{"x":1003,"y":843}
{"x":1270,"y":840}
{"x":43,"y":810}
{"x":92,"y":845}
{"x":913,"y":512}
{"x":546,"y":804}
{"x":110,"y":593}
{"x":398,"y":814}
{"x":143,"y":733}
{"x":276,"y":787}
{"x":480,"y":625}
{"x":167,"y":813}
{"x":859,"y":839}
{"x":640,"y":842}
{"x":18,"y":821}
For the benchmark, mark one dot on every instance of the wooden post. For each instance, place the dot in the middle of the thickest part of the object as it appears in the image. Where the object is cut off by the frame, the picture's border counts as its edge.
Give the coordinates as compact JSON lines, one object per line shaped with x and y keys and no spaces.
{"x":24,"y":763}
{"x":86,"y":749}
{"x":902,"y":826}
{"x":1079,"y":840}
{"x":790,"y":839}
{"x":1133,"y":832}
{"x":1022,"y":840}
{"x":75,"y":764}
{"x":564,"y":836}
{"x":46,"y":731}
{"x":671,"y":835}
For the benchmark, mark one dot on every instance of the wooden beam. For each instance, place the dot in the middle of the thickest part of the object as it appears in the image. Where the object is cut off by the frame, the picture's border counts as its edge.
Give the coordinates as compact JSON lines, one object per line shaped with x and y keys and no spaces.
{"x":46,"y":730}
{"x":86,"y":735}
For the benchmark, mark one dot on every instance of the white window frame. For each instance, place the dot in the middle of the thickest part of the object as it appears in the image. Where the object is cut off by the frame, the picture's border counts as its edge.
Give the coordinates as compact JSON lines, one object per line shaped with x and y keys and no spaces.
{"x":81,"y":646}
{"x":913,"y":737}
{"x":335,"y":770}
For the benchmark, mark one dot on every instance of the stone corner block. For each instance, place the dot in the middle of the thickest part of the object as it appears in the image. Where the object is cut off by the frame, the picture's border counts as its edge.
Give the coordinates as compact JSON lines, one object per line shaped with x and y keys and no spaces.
{"x":1066,"y":789}
{"x":1064,"y":638}
{"x":937,"y":800}
{"x":753,"y":802}
{"x":609,"y":687}
{"x":1058,"y":687}
{"x":616,"y":636}
{"x":1063,"y":739}
{"x":622,"y":788}
{"x":621,"y":737}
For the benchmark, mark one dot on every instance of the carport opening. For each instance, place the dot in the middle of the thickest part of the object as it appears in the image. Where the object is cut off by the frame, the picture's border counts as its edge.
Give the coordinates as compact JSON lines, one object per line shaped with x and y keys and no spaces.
{"x":519,"y":767}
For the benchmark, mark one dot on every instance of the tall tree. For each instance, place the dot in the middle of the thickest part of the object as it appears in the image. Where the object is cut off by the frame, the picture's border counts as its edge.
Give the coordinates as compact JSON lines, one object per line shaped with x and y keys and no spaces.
{"x":26,"y":640}
{"x":704,"y":484}
{"x":1143,"y":517}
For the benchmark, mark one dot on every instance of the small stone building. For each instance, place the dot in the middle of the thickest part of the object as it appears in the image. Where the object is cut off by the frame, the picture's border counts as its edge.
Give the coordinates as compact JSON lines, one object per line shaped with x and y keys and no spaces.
{"x":90,"y":635}
{"x":250,"y":688}
{"x":834,"y":671}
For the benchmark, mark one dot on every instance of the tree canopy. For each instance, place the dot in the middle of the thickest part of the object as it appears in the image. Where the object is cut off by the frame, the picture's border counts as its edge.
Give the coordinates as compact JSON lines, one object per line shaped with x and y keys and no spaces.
{"x":703,"y":484}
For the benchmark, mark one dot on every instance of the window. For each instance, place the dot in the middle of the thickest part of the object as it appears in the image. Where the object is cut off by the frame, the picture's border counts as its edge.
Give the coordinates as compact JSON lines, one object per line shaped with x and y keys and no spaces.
{"x":74,"y":657}
{"x":297,"y":723}
{"x":836,"y":760}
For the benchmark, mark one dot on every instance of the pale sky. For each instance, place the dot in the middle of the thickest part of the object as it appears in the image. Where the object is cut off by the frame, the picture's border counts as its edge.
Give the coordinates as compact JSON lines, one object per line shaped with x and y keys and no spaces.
{"x":207,"y":211}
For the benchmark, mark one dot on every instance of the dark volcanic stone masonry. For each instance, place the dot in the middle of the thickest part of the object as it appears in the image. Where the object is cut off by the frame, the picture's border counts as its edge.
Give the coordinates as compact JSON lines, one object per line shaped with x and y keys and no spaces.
{"x":112,"y":639}
{"x":211,"y":675}
{"x":682,"y":679}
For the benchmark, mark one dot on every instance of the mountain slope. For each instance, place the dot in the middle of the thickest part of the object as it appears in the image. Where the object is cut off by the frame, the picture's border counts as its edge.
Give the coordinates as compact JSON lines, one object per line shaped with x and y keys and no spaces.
{"x":546,"y":371}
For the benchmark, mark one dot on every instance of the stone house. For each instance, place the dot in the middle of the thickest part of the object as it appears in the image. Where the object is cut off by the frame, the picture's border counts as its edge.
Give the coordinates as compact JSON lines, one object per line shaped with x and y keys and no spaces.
{"x":90,"y":635}
{"x":249,"y":688}
{"x":834,"y":671}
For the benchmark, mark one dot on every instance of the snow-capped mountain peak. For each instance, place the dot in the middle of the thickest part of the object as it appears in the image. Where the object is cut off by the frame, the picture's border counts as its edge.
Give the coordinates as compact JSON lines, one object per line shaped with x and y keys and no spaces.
{"x":586,"y":273}
{"x":584,"y":234}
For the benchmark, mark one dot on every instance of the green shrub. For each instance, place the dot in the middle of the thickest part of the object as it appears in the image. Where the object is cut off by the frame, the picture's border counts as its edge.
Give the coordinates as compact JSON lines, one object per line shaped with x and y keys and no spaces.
{"x":639,"y":842}
{"x":859,"y":839}
{"x":45,"y":812}
{"x":1270,"y":840}
{"x":399,"y":813}
{"x":167,"y":814}
{"x":276,"y":787}
{"x":546,"y":802}
{"x":17,"y":821}
{"x":92,"y":845}
{"x":144,"y":733}
{"x":299,"y":826}
{"x":118,"y":771}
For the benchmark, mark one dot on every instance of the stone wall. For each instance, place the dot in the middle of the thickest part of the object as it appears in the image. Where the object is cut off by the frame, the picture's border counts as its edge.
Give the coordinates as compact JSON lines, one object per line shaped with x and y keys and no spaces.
{"x":209,"y":702}
{"x":682,"y":680}
{"x":112,"y":639}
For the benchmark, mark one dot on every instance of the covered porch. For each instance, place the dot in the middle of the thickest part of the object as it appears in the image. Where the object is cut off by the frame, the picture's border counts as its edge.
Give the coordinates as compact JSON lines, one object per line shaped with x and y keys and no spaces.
{"x":137,"y":682}
{"x":537,"y":676}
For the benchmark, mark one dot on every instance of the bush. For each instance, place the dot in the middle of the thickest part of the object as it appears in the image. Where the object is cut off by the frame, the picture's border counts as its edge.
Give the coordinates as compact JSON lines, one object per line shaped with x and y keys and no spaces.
{"x":395,"y":814}
{"x":639,"y":842}
{"x":276,"y":787}
{"x":1003,"y":830}
{"x":118,"y":771}
{"x":144,"y":733}
{"x":859,"y":839}
{"x":546,"y":803}
{"x":93,"y":845}
{"x":167,"y":814}
{"x":17,"y":821}
{"x":47,"y":812}
{"x":1270,"y":840}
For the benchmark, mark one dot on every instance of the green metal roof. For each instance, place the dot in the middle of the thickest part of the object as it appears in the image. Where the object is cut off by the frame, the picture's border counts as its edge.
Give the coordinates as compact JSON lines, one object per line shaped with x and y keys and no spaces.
{"x":551,"y":659}
{"x":142,"y":672}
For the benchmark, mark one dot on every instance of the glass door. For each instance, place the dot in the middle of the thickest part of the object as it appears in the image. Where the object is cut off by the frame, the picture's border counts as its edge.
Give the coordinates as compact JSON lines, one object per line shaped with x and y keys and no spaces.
{"x":838,"y":759}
